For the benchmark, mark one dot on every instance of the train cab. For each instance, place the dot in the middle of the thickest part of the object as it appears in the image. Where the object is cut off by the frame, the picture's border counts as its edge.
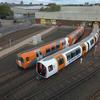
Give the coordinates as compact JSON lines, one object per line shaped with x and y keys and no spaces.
{"x":41,"y":69}
{"x":45,"y":69}
{"x":24,"y":60}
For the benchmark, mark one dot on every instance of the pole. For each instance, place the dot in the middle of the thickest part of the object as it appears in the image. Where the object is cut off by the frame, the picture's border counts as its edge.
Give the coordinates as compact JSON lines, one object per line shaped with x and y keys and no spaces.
{"x":10,"y":42}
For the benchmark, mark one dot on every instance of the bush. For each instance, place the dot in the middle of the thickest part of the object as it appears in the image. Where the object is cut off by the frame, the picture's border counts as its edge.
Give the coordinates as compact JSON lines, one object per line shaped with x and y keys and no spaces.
{"x":51,"y":8}
{"x":5,"y":12}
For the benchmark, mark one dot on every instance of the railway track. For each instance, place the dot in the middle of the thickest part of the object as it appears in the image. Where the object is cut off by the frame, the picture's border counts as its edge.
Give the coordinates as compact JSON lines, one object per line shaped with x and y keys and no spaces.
{"x":38,"y":86}
{"x":21,"y":85}
{"x":8,"y":62}
{"x":37,"y":91}
{"x":26,"y":86}
{"x":19,"y":36}
{"x":15,"y":82}
{"x":12,"y":74}
{"x":66,"y":90}
{"x":5,"y":73}
{"x":51,"y":93}
{"x":4,"y":77}
{"x":95,"y":96}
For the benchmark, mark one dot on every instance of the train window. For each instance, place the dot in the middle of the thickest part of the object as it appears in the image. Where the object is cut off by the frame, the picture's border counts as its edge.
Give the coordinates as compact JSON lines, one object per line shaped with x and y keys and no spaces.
{"x":53,"y":48}
{"x":41,"y":69}
{"x":60,"y":60}
{"x":78,"y":51}
{"x":47,"y":50}
{"x":92,"y":41}
{"x":21,"y":59}
{"x":64,"y":42}
{"x":37,"y":54}
{"x":50,"y":68}
{"x":27,"y":58}
{"x":68,"y":56}
{"x":40,"y":53}
{"x":95,"y":39}
{"x":57,"y":46}
{"x":88,"y":45}
{"x":73,"y":54}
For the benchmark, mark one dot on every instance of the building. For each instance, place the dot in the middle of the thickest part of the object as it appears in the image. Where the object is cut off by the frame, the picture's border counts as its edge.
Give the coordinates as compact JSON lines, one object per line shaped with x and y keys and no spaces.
{"x":25,"y":13}
{"x":69,"y":14}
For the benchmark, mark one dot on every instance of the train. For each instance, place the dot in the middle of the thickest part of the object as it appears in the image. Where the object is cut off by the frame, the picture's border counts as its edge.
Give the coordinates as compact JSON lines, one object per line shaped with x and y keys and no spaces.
{"x":29,"y":58}
{"x":52,"y":64}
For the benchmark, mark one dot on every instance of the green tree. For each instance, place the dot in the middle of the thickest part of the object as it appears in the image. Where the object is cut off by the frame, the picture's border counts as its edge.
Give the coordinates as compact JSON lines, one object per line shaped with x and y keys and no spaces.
{"x":51,"y":8}
{"x":5,"y":11}
{"x":42,"y":9}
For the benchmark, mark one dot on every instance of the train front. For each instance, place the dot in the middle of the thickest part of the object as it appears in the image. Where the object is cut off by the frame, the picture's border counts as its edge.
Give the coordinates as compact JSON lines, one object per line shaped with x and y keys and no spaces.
{"x":21,"y":61}
{"x":45,"y":68}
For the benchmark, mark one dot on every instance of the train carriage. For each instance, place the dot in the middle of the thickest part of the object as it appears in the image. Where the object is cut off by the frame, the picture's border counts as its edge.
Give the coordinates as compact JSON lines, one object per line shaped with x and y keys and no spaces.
{"x":52,"y":64}
{"x":29,"y":58}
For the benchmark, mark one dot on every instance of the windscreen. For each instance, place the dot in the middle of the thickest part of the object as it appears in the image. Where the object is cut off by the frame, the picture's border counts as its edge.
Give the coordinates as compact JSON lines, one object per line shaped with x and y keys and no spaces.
{"x":41,"y":69}
{"x":20,"y":59}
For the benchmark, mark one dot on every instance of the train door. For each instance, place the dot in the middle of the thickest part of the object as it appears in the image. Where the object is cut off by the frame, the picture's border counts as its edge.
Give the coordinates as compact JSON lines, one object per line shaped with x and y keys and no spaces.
{"x":60,"y":61}
{"x":95,"y":39}
{"x":84,"y":50}
{"x":39,"y":55}
{"x":48,"y":52}
{"x":92,"y":42}
{"x":53,"y":48}
{"x":63,"y":43}
{"x":88,"y":46}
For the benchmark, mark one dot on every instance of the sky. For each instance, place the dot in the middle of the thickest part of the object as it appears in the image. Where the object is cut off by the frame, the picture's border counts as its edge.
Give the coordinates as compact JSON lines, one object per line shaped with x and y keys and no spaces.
{"x":52,"y":1}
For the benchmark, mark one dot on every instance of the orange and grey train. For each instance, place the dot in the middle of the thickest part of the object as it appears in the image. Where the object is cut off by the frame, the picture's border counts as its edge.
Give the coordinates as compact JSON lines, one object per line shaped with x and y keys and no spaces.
{"x":52,"y":64}
{"x":29,"y":58}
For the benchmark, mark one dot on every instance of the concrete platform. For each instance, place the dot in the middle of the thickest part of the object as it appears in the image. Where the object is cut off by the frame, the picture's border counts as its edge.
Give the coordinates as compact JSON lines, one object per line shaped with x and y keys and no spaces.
{"x":19,"y":84}
{"x":26,"y":41}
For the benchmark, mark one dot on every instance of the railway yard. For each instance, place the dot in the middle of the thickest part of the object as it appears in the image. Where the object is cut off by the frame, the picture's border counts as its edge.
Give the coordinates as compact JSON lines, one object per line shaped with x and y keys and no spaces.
{"x":17,"y":36}
{"x":78,"y":81}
